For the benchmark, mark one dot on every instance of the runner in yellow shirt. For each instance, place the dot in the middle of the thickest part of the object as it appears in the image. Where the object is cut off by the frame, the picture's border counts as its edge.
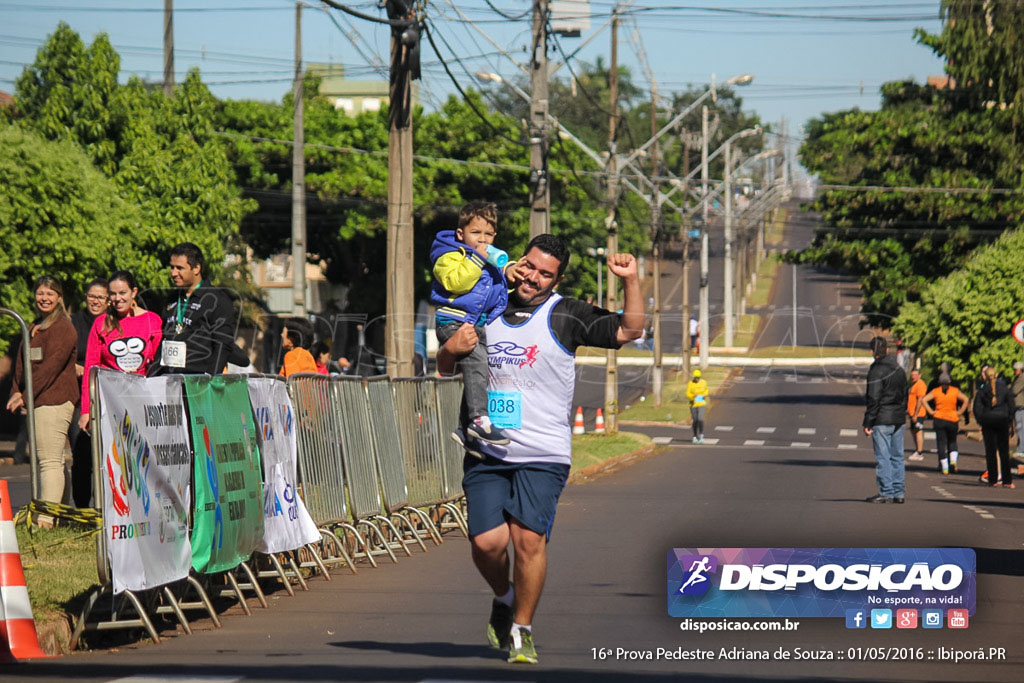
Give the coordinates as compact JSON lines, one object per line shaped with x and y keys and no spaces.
{"x":697,"y":393}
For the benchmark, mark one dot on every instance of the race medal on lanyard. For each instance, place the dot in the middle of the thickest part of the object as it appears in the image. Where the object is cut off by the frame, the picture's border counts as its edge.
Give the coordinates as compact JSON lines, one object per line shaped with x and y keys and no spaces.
{"x":182,"y":308}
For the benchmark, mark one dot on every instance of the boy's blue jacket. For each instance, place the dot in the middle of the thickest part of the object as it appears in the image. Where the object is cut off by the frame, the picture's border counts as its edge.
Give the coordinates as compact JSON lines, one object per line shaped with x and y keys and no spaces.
{"x":489,"y":295}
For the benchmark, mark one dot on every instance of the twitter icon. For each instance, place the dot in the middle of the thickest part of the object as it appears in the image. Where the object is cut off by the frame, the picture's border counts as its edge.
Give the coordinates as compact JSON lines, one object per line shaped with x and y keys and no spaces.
{"x":881,"y":618}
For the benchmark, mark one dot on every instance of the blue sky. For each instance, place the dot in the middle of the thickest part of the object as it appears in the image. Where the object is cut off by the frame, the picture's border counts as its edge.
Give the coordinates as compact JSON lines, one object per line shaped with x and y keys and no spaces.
{"x":817,"y":56}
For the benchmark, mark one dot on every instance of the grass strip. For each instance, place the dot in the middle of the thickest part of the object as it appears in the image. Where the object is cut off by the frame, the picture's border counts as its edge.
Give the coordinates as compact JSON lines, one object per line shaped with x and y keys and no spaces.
{"x":590,"y":449}
{"x":60,"y":565}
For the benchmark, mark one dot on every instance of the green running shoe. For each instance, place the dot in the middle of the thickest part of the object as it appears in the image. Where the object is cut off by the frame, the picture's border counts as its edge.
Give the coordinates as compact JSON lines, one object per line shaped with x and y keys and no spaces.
{"x":499,"y":626}
{"x":521,"y":650}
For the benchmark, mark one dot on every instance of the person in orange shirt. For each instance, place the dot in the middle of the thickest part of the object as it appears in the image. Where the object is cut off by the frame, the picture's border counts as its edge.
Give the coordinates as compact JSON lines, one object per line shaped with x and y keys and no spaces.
{"x":296,"y":357}
{"x":916,"y":412}
{"x":946,"y":405}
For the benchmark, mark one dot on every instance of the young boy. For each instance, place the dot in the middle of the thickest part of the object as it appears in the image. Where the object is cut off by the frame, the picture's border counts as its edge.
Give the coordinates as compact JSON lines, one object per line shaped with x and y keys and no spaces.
{"x":469,"y":289}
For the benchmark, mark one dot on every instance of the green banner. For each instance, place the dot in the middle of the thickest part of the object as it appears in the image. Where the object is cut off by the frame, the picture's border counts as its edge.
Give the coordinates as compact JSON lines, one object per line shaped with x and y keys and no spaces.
{"x":227,"y":522}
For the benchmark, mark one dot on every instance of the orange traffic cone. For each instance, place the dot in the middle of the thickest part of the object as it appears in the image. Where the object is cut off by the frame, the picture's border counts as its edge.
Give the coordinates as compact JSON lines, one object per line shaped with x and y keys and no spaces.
{"x":599,"y":423}
{"x":18,"y":639}
{"x":577,"y":427}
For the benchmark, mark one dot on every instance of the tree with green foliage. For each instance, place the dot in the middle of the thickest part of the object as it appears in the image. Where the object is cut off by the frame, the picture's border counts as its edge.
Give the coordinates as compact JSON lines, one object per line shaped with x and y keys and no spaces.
{"x":60,"y":215}
{"x":161,"y":152}
{"x":966,"y":317}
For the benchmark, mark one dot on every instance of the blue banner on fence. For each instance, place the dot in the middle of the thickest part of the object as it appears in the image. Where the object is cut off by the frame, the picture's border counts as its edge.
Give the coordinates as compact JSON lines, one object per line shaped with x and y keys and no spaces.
{"x":817,"y":582}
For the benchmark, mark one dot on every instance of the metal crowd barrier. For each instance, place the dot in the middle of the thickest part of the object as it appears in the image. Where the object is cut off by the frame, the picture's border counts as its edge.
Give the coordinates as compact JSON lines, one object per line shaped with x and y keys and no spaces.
{"x":391,"y":463}
{"x":28,"y":392}
{"x":449,"y":402}
{"x":419,"y":427}
{"x":321,"y":471}
{"x":162,"y":600}
{"x":352,"y":406}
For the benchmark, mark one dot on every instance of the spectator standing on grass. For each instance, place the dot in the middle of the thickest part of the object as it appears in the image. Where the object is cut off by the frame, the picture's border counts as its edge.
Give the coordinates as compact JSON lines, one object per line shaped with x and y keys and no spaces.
{"x":1017,"y":389}
{"x":697,"y":395}
{"x":994,"y":410}
{"x":81,"y":444}
{"x":916,"y":413}
{"x":52,"y":352}
{"x":886,"y":400}
{"x":946,"y":405}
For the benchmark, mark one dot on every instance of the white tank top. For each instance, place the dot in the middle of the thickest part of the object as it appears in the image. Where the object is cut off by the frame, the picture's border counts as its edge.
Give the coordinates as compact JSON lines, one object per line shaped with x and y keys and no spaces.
{"x":535,"y":376}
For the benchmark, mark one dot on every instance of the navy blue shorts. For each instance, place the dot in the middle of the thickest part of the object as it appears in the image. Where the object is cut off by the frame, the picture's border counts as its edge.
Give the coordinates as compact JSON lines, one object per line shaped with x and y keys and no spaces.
{"x":525,"y":491}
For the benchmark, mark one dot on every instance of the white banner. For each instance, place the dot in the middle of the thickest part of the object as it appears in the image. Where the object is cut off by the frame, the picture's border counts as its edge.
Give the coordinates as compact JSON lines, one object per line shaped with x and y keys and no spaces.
{"x":146,"y":470}
{"x":287,"y":524}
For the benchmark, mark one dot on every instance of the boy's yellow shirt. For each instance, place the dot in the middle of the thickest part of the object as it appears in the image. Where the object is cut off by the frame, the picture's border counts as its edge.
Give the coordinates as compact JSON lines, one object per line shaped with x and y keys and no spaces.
{"x":457,"y":273}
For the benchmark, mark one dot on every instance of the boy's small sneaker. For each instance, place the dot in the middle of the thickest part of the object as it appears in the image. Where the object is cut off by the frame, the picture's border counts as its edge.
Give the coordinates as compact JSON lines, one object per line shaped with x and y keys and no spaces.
{"x":521,"y":649}
{"x":459,"y":437}
{"x":915,"y":456}
{"x":485,"y":431}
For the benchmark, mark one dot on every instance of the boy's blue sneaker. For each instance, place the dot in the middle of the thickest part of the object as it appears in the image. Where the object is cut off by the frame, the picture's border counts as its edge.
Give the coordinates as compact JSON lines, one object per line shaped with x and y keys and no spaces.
{"x":459,"y":437}
{"x":482,"y":429}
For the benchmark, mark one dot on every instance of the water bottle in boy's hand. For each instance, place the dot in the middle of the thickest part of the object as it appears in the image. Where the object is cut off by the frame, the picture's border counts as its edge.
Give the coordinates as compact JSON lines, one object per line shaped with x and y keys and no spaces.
{"x":496,"y":257}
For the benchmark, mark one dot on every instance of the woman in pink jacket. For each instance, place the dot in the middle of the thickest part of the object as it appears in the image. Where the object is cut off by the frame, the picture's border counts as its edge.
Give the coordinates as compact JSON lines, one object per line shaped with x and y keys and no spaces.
{"x":126,"y":338}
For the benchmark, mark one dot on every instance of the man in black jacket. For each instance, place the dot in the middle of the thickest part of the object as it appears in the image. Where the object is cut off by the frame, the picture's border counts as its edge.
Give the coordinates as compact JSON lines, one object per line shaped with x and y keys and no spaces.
{"x":883,"y":422}
{"x":199,"y":326}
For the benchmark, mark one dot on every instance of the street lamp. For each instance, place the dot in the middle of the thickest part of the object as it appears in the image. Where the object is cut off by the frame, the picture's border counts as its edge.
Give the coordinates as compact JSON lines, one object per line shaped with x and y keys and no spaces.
{"x":728,"y":273}
{"x":599,"y":255}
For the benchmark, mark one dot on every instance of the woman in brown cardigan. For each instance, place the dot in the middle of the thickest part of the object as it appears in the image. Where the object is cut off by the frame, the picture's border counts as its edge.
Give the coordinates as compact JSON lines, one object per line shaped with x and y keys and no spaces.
{"x":54,"y":385}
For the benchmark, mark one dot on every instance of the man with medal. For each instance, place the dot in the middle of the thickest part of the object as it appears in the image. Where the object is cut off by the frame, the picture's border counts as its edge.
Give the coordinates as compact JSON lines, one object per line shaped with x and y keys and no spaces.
{"x":512,"y":490}
{"x":199,"y":325}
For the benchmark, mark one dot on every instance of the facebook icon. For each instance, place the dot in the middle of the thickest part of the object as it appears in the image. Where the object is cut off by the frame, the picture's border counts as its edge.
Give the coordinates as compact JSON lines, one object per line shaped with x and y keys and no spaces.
{"x":856,"y":618}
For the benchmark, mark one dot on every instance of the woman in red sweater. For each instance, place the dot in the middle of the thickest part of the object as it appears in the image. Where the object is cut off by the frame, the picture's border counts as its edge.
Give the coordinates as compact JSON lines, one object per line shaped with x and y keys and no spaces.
{"x":54,"y":385}
{"x":125,"y":339}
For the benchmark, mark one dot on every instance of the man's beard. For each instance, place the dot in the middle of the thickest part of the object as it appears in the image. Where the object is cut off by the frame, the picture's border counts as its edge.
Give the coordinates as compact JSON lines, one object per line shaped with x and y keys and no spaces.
{"x":532,"y":297}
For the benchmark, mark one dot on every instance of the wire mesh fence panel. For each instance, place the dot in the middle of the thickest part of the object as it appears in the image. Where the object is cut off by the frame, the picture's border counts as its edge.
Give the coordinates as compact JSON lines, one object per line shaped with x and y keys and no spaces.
{"x":352,"y":406}
{"x":321,"y":474}
{"x":449,"y":400}
{"x":416,"y":408}
{"x":387,"y":443}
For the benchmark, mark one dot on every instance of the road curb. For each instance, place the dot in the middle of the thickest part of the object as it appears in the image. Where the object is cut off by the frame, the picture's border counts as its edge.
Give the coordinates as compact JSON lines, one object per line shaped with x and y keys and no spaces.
{"x":591,"y":472}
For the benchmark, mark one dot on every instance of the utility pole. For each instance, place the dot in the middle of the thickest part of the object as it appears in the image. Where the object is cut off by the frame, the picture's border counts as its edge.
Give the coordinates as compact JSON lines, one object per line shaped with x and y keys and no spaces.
{"x":298,"y":178}
{"x":611,"y":385}
{"x":657,"y":376}
{"x":168,"y":47}
{"x":705,"y":322}
{"x":399,"y":334}
{"x":727,"y":270}
{"x":540,"y":192}
{"x":685,"y":233}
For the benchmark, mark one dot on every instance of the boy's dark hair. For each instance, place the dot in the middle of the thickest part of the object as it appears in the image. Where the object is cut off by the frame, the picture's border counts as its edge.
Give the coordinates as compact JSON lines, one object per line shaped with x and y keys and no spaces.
{"x":478,"y":209}
{"x":300,"y":332}
{"x":193,"y":254}
{"x":552,"y":246}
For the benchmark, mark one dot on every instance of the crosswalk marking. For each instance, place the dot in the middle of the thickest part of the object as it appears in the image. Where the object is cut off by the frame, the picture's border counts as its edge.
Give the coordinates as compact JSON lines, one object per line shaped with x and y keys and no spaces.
{"x":847,"y":446}
{"x":809,"y":431}
{"x":723,"y":428}
{"x":929,"y":435}
{"x":766,"y":430}
{"x":753,"y":442}
{"x":711,"y":442}
{"x":800,"y":444}
{"x":662,"y":440}
{"x":847,"y":432}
